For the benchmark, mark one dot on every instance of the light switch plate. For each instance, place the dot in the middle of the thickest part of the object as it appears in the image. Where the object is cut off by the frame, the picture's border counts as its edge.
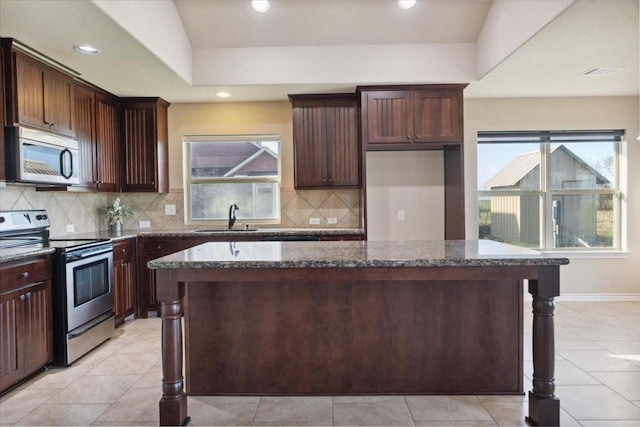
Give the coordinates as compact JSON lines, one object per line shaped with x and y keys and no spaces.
{"x":332,"y":220}
{"x":169,"y":209}
{"x":145,"y":224}
{"x":314,"y":221}
{"x":71,"y":228}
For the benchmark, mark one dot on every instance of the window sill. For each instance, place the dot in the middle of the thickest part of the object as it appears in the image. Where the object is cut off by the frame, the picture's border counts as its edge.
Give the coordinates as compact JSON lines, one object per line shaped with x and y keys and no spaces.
{"x":613,"y":254}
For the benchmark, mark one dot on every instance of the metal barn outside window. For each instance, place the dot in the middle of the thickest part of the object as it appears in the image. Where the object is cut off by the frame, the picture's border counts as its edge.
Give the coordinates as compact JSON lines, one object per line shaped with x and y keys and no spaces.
{"x":550,"y":190}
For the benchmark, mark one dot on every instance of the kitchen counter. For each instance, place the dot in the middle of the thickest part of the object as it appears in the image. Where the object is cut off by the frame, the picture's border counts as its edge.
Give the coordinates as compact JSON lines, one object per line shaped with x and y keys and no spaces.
{"x":355,"y":317}
{"x":221,"y":232}
{"x":13,"y":254}
{"x":360,"y":254}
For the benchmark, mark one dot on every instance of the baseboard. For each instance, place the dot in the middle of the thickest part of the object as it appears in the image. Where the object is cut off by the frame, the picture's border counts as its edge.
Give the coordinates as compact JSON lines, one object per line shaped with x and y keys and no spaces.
{"x":594,"y":297}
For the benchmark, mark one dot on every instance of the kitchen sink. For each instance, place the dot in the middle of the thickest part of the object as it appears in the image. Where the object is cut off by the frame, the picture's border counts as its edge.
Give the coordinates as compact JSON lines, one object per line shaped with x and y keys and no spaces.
{"x":224,"y":230}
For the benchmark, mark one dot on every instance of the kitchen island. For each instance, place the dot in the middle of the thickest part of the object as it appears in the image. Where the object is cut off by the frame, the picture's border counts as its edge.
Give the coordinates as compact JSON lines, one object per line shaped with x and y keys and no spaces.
{"x":323,"y":318}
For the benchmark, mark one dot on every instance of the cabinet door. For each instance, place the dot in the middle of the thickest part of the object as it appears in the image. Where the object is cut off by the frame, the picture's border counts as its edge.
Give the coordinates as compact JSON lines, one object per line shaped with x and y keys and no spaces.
{"x":38,"y":330}
{"x":438,"y":116}
{"x":58,"y":102}
{"x":107,"y":142}
{"x":342,"y":147}
{"x":118,"y":289}
{"x":309,"y":136}
{"x":83,"y":124}
{"x":11,"y":346}
{"x":3,"y":172}
{"x":30,"y":92}
{"x":129,"y":288}
{"x":390,"y":117}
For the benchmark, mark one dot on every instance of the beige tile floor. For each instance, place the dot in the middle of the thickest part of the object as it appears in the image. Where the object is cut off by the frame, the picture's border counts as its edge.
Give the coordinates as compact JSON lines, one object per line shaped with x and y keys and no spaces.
{"x":597,"y":371}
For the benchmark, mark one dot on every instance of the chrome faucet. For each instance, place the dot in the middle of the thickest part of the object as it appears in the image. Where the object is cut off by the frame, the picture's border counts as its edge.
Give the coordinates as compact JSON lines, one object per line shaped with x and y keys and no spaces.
{"x":232,"y":215}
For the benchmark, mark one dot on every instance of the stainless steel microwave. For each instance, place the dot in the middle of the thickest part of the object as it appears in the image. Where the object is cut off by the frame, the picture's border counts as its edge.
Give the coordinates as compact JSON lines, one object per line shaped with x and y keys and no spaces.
{"x":41,"y":157}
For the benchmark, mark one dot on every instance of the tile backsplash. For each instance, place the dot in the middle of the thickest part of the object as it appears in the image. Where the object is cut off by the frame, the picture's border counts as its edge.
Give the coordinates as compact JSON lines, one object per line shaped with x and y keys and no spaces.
{"x":84,"y":210}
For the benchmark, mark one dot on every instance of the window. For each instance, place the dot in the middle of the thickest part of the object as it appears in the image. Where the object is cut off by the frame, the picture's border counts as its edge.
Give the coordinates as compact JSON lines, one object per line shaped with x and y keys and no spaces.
{"x":550,"y":190}
{"x":224,"y":170}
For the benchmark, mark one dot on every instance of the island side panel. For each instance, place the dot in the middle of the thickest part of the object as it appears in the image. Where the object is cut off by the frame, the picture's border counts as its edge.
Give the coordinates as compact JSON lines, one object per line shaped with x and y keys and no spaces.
{"x":349,"y":336}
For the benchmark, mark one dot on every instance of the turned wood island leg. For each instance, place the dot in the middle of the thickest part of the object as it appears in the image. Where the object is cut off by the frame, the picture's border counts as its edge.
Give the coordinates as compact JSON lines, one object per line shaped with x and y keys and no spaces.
{"x":173,"y":405}
{"x":544,"y":406}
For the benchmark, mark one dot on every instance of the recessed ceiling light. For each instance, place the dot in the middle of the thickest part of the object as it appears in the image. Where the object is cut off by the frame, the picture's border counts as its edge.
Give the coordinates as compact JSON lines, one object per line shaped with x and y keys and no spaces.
{"x":406,"y":4}
{"x":86,"y":49}
{"x":600,"y":71}
{"x":260,"y":5}
{"x":223,"y":94}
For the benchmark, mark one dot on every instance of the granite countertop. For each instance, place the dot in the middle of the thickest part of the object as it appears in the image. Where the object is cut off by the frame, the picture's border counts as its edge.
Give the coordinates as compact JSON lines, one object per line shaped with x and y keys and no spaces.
{"x":354,"y":254}
{"x":13,"y":254}
{"x":263,"y":232}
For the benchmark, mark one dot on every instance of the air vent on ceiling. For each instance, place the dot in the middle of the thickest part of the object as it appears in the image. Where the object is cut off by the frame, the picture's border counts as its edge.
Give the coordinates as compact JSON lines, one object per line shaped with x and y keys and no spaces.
{"x":601,"y":71}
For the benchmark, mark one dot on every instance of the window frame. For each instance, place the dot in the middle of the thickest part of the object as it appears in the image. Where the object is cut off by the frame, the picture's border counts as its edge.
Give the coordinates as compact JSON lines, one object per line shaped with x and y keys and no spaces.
{"x":189,"y":180}
{"x":545,"y":140}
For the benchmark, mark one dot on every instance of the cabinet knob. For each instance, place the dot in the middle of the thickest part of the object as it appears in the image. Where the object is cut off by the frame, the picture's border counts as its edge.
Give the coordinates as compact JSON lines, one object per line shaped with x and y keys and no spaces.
{"x":22,"y":297}
{"x":25,"y":274}
{"x":159,"y":247}
{"x":408,"y":136}
{"x":123,"y":250}
{"x":28,"y":294}
{"x":418,"y":137}
{"x":330,"y":180}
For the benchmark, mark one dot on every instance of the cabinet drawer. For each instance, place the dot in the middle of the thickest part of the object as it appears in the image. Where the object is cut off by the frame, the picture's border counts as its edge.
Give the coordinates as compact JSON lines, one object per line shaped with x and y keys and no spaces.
{"x":24,"y":272}
{"x":123,"y":249}
{"x":159,"y":246}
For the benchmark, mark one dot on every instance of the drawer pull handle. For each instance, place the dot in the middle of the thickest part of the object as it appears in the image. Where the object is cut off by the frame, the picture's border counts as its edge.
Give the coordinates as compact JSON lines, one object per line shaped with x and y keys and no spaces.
{"x":25,"y":274}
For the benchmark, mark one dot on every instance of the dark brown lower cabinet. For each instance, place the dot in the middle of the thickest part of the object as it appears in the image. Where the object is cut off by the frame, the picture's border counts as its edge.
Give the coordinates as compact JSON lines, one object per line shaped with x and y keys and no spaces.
{"x":26,"y":332}
{"x":124,"y":279}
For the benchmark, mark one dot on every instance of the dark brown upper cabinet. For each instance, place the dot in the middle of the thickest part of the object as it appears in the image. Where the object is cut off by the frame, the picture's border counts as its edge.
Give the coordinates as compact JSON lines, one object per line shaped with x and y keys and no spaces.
{"x":411,"y":117}
{"x":3,"y":171}
{"x":145,"y":144}
{"x":37,"y":95}
{"x":325,"y":141}
{"x":96,"y":121}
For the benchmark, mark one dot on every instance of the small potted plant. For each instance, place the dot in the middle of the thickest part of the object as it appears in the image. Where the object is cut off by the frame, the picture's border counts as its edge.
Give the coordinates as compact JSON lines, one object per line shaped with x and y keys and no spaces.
{"x":116,"y":213}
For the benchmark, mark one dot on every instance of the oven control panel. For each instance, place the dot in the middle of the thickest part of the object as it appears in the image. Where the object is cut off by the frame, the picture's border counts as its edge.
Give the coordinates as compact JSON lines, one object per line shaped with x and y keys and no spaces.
{"x":23,"y":220}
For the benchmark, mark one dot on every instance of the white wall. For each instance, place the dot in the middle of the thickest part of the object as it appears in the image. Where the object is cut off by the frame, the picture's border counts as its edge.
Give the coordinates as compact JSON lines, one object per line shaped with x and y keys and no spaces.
{"x":599,"y":275}
{"x":408,"y":180}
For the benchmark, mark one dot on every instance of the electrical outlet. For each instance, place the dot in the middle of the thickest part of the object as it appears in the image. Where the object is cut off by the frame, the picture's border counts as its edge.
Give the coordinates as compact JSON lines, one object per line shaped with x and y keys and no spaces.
{"x":71,"y":228}
{"x":332,"y":220}
{"x":314,"y":221}
{"x":400,"y":214}
{"x":169,"y":209}
{"x":145,"y":224}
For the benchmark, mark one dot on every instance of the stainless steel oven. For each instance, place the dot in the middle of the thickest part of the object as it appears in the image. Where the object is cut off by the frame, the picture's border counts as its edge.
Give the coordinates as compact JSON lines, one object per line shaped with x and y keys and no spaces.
{"x":41,"y":157}
{"x":84,"y":297}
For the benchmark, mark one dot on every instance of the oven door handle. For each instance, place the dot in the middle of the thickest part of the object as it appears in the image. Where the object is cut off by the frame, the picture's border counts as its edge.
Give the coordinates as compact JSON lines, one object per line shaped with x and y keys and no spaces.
{"x":92,"y":254}
{"x":62,"y":164}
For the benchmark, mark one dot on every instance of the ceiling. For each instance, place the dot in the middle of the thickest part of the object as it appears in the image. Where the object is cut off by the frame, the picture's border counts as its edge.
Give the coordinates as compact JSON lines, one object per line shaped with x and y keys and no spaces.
{"x":187,"y":50}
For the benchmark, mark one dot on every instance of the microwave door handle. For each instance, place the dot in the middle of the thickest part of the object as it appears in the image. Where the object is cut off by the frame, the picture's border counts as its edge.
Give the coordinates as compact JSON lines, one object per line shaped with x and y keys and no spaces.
{"x":62,"y":168}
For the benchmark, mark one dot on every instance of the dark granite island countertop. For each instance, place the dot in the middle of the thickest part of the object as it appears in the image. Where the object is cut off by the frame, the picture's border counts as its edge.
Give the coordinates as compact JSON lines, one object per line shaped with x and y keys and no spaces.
{"x":325,"y":318}
{"x":445,"y":253}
